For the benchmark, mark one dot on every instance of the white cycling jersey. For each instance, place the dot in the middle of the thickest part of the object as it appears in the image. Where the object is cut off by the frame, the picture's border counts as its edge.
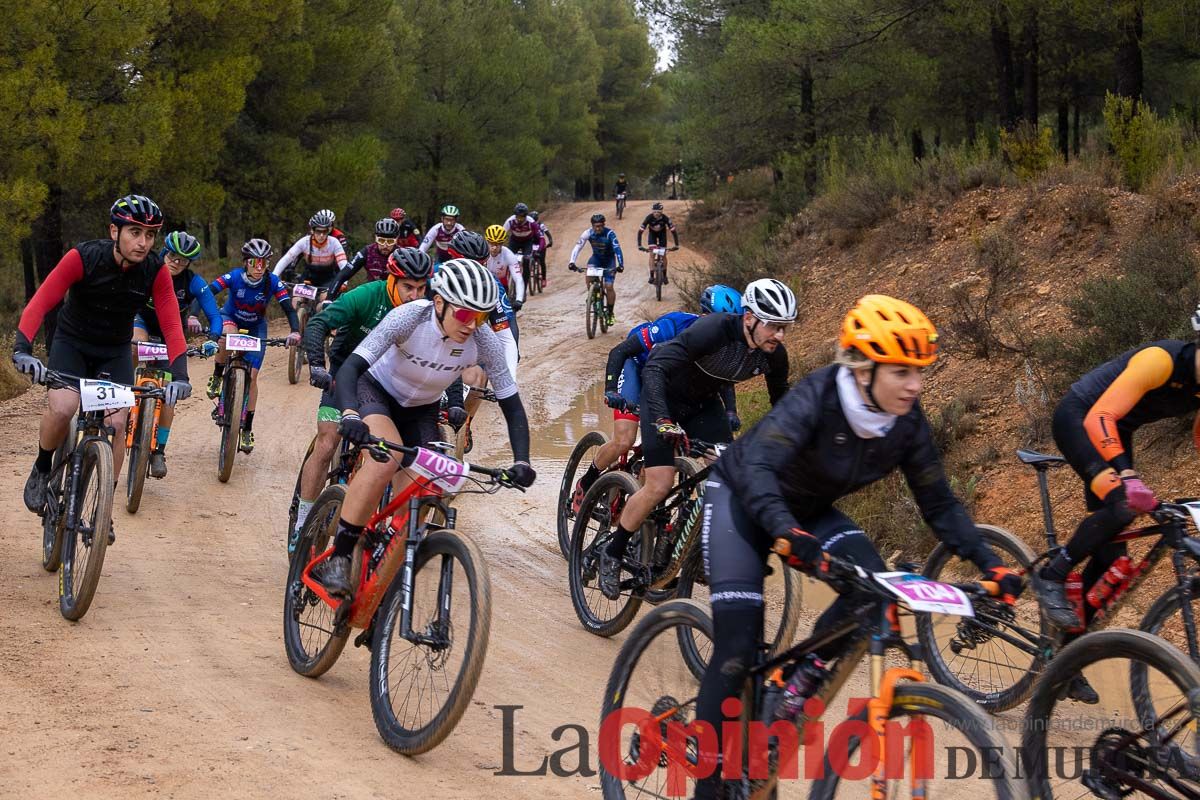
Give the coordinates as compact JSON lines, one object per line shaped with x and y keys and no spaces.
{"x":438,"y":235}
{"x":414,"y":361}
{"x":319,"y":257}
{"x":506,"y":265}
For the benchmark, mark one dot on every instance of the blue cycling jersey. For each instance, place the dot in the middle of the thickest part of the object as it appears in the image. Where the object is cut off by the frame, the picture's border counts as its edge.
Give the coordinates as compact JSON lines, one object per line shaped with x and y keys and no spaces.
{"x":663,"y":329}
{"x":605,"y":247}
{"x":247,"y":303}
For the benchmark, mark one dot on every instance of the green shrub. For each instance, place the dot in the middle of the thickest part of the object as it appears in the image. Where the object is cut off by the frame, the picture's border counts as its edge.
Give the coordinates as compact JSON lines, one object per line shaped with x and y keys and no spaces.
{"x":1141,"y":140}
{"x":1030,"y":150}
{"x":736,"y":267}
{"x":974,"y":300}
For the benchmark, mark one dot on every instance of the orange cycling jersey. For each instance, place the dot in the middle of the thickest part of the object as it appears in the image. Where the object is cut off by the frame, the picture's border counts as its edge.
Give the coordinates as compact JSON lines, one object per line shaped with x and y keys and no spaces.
{"x":1152,"y":382}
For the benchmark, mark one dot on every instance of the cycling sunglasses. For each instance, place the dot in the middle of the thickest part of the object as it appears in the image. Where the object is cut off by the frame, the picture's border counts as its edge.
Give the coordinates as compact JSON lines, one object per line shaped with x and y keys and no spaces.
{"x":382,"y":242}
{"x":466,"y":315}
{"x":320,"y":231}
{"x":256,"y":262}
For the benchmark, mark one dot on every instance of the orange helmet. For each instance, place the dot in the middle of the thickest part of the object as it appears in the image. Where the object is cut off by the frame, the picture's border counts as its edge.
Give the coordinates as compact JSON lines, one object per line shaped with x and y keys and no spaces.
{"x":890,"y":331}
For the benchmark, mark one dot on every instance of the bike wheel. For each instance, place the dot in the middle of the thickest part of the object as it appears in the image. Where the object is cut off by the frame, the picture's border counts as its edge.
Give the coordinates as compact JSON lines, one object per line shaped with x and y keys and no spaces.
{"x":1118,"y":754}
{"x":294,"y":507}
{"x":421,"y":687}
{"x":84,"y":547}
{"x":995,"y":657}
{"x":584,"y":452}
{"x":648,"y":675}
{"x":684,"y":468}
{"x":591,"y":315}
{"x":231,"y":425}
{"x":311,"y":640}
{"x":602,"y":506}
{"x":139,"y":455}
{"x":658,"y":284}
{"x":55,"y":519}
{"x":932,"y":717}
{"x":295,"y":353}
{"x":1164,"y":619}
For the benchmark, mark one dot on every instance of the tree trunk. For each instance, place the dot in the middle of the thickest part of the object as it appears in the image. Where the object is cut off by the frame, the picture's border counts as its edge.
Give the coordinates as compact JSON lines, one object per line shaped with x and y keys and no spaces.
{"x":1129,"y":53}
{"x":1005,"y":85}
{"x":1029,"y":73}
{"x":1064,"y":128}
{"x":1075,"y":134}
{"x":48,"y":249}
{"x":808,"y":128}
{"x":918,"y":144}
{"x":27,"y":267}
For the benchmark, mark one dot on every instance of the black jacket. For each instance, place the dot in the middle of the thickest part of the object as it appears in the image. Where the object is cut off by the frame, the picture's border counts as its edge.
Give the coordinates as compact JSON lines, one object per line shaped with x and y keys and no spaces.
{"x":803,"y":456}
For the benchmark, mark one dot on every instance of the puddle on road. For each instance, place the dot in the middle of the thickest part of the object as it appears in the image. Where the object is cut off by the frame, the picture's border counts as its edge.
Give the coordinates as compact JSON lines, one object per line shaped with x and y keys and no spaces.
{"x":556,"y":439}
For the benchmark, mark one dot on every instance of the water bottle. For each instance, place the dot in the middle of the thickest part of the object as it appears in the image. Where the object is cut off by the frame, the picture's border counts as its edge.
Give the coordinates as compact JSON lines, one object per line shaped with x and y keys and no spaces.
{"x":1113,"y":578}
{"x":802,"y":685}
{"x":1074,"y":587}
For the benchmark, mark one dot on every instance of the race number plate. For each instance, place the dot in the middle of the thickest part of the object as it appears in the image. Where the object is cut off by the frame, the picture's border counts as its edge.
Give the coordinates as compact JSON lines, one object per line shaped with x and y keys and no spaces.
{"x":304,"y":290}
{"x":242,"y":342}
{"x":920,"y":594}
{"x":104,"y":395}
{"x":595,"y":272}
{"x":537,"y":247}
{"x":150,"y":351}
{"x":445,"y":473}
{"x":660,"y":251}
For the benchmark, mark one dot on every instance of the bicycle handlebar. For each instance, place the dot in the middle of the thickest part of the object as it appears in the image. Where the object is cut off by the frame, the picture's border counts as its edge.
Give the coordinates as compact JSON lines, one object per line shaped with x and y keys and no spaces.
{"x":377,"y":447}
{"x":56,"y":379}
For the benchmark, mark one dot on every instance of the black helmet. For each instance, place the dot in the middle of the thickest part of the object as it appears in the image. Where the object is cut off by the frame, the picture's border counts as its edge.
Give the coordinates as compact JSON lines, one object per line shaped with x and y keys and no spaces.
{"x":520,"y":208}
{"x":410,"y":263}
{"x":136,"y":209}
{"x":656,"y":207}
{"x":257,"y":248}
{"x":388,"y":228}
{"x":533,"y":215}
{"x":470,"y":244}
{"x":597,"y":218}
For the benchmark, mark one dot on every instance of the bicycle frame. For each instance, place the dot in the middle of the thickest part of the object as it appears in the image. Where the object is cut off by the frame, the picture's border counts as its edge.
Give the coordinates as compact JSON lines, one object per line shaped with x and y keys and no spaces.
{"x":377,"y":567}
{"x":151,"y":377}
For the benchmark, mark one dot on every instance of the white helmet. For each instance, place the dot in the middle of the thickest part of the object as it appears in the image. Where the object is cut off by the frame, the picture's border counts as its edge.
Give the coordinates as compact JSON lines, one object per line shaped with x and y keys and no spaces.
{"x":770,"y":300}
{"x":466,"y":283}
{"x":322,"y":219}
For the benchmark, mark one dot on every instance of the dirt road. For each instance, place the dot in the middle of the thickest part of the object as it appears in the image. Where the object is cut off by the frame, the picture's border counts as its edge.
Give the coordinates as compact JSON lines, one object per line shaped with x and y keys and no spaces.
{"x":176,"y":685}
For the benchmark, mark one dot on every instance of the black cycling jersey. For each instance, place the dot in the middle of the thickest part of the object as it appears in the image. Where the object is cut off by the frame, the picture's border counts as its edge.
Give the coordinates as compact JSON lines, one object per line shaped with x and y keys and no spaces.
{"x":1179,"y":394}
{"x":682,"y":373}
{"x":660,"y":225}
{"x":803,"y":456}
{"x":100,"y":306}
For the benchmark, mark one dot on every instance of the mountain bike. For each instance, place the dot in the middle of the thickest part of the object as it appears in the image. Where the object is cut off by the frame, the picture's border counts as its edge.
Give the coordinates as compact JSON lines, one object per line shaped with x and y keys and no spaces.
{"x":894,"y":757}
{"x":593,"y":309}
{"x":1121,"y":752}
{"x":77,"y":518}
{"x":304,"y":296}
{"x":663,"y":558}
{"x":536,"y":278}
{"x":584,"y":454}
{"x":414,"y":640}
{"x":658,"y":272}
{"x":995,"y":656}
{"x":620,"y":205}
{"x":142,"y":429}
{"x":230,"y":407}
{"x":345,"y":461}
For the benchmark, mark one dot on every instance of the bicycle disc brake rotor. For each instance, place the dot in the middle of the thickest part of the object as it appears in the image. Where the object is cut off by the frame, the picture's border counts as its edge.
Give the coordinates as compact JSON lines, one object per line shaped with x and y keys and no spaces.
{"x":970,"y":634}
{"x":1117,"y":756}
{"x":661,"y":706}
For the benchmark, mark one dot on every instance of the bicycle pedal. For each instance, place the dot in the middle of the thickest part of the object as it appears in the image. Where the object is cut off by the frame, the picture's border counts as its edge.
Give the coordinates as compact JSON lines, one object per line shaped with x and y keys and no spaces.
{"x":364,"y":638}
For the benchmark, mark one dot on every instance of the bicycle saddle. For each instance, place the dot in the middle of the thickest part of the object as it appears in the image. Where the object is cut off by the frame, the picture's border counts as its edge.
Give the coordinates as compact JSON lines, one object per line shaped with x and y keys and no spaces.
{"x":1040,"y":460}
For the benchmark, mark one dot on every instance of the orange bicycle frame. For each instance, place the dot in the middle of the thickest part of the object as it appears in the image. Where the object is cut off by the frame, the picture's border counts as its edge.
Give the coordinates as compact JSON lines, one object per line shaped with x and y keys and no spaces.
{"x":144,"y":378}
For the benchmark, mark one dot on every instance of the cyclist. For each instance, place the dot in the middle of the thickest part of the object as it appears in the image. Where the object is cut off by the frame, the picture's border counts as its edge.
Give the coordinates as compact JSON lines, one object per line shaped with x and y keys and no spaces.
{"x":179,"y":250}
{"x":621,"y":187}
{"x":606,"y":254}
{"x":547,"y":241}
{"x":440,"y":235}
{"x":391,"y":387}
{"x":323,"y":254}
{"x":101,"y":283}
{"x":410,"y":234}
{"x":523,"y":231}
{"x":840,"y":428}
{"x":505,"y":265}
{"x":658,"y":224}
{"x":623,"y":379}
{"x":352,"y":316}
{"x":1093,"y":427}
{"x":250,"y":291}
{"x":374,"y":256}
{"x":680,"y":396}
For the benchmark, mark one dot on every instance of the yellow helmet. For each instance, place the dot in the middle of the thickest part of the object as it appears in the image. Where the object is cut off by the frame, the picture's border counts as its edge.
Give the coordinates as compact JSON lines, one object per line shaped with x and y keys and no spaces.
{"x":890,"y":331}
{"x":495,"y":234}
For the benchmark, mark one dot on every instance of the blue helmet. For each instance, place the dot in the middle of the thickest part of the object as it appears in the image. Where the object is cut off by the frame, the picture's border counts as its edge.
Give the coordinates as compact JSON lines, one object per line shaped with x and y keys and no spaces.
{"x":721,"y":299}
